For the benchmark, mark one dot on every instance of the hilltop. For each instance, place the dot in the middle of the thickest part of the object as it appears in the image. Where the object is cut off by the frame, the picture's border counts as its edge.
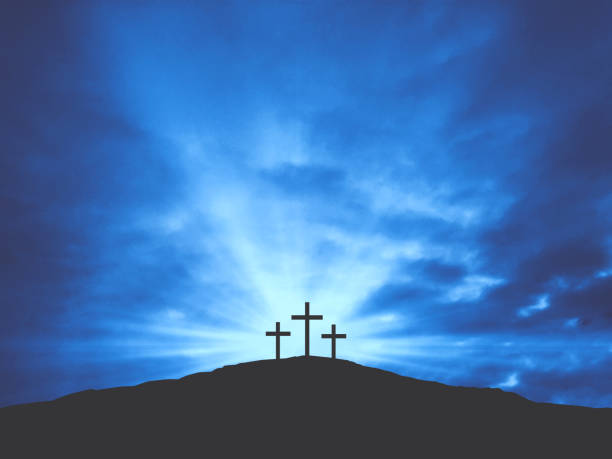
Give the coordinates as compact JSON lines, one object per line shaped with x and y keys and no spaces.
{"x":301,"y":406}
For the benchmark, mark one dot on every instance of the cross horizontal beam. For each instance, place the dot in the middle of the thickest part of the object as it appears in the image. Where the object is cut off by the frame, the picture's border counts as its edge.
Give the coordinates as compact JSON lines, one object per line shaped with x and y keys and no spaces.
{"x":329,"y":335}
{"x":303,"y":317}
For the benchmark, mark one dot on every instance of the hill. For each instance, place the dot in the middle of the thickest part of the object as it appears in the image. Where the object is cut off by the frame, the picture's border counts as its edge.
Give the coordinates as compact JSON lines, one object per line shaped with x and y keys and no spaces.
{"x":300,"y":407}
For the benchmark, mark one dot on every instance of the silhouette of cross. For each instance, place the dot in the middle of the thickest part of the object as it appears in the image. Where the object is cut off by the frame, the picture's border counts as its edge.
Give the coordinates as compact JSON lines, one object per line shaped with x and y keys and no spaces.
{"x":307,"y":318}
{"x":278,"y":334}
{"x":333,"y":335}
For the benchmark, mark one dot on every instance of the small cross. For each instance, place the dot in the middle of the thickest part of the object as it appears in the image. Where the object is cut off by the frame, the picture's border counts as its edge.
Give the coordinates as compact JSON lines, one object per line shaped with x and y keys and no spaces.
{"x":278,"y":334}
{"x":307,"y":318}
{"x":333,"y":337}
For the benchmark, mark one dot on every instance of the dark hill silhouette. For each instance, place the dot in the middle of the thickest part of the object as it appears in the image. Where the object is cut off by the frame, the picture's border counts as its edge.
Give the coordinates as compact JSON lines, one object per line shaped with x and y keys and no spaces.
{"x":300,"y":407}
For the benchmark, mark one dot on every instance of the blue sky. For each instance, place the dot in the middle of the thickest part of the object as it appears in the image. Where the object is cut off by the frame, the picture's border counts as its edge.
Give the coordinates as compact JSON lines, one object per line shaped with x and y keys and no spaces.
{"x":432,"y":176}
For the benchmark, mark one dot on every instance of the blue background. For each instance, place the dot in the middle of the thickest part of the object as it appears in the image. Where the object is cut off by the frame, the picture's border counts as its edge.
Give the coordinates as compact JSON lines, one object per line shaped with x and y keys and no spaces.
{"x":434,"y":177}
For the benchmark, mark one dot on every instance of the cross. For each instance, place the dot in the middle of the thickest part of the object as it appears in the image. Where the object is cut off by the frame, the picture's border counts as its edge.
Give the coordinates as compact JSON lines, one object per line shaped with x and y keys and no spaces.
{"x":333,"y":337}
{"x":278,"y":334}
{"x":307,"y":318}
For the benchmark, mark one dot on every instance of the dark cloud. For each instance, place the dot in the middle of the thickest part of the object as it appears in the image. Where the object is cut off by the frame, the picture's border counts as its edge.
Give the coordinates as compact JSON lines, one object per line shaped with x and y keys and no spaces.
{"x":590,"y":304}
{"x":443,"y":273}
{"x":74,"y":174}
{"x":588,"y":385}
{"x":547,"y":63}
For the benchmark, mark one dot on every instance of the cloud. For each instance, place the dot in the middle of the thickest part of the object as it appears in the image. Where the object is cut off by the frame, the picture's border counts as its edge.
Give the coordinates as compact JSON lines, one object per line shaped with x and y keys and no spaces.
{"x":588,"y":385}
{"x":510,"y":382}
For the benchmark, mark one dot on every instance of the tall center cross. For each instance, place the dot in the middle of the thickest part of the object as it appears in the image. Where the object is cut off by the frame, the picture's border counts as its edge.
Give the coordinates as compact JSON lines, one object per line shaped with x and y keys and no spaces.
{"x":307,"y":318}
{"x":333,"y":336}
{"x":278,"y":333}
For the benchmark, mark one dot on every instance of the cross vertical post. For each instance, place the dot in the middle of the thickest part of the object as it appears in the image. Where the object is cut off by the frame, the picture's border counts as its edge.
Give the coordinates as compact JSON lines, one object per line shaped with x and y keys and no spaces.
{"x":278,"y":333}
{"x":307,"y":317}
{"x":333,"y":336}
